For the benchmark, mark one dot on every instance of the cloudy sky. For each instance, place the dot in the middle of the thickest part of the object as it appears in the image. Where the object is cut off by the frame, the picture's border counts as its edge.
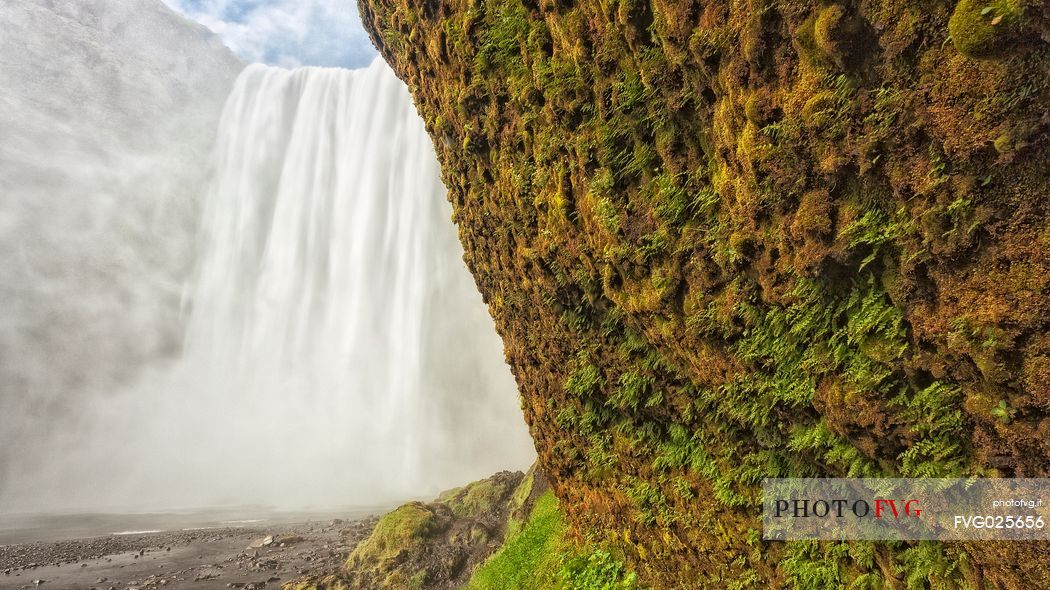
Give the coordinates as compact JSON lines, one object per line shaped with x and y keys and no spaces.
{"x":286,"y":32}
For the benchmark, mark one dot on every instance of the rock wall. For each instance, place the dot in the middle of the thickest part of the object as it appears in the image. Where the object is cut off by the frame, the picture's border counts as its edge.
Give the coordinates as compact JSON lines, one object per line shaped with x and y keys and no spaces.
{"x":725,"y":241}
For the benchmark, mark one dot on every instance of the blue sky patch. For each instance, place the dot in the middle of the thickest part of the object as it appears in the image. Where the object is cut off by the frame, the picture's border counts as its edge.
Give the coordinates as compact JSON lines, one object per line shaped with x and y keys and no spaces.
{"x":286,"y":33}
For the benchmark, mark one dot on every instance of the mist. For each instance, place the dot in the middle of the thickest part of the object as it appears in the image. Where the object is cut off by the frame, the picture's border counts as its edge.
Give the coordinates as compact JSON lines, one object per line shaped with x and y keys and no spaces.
{"x":225,"y":290}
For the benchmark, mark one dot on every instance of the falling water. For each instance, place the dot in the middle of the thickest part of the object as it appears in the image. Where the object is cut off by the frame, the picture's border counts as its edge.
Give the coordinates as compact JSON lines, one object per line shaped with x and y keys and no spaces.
{"x":336,"y":350}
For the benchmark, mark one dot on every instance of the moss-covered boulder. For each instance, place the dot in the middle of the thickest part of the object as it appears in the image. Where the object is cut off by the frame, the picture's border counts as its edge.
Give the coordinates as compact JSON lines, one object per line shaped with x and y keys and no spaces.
{"x":435,"y":545}
{"x":481,"y":497}
{"x":725,"y":241}
{"x":395,"y":536}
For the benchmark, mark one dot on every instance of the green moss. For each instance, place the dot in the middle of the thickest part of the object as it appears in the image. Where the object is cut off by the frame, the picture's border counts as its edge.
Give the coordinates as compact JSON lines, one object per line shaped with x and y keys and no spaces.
{"x":819,"y":109}
{"x":448,"y":494}
{"x":983,"y":28}
{"x":835,"y":31}
{"x":478,"y":498}
{"x":807,"y":47}
{"x":523,"y":491}
{"x":813,"y":215}
{"x":1004,"y":143}
{"x":395,"y":531}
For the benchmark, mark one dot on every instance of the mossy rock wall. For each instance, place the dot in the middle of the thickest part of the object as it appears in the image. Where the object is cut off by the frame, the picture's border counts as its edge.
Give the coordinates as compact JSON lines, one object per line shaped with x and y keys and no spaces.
{"x":728,"y":240}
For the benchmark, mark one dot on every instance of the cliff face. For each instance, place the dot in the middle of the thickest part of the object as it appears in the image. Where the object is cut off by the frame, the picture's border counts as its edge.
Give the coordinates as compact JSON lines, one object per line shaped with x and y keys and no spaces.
{"x":725,"y":241}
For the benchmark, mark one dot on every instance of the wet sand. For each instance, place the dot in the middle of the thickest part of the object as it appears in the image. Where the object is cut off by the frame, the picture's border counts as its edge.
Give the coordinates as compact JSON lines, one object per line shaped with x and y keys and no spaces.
{"x":248,"y":558}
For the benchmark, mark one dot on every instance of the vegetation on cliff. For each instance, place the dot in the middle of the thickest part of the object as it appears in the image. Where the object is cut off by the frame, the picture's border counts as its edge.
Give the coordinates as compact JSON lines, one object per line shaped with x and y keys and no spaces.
{"x":537,"y":555}
{"x":725,"y":241}
{"x":506,"y":532}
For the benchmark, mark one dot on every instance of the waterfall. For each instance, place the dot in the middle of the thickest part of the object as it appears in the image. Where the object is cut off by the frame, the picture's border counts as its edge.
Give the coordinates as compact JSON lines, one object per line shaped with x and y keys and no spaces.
{"x":336,"y":348}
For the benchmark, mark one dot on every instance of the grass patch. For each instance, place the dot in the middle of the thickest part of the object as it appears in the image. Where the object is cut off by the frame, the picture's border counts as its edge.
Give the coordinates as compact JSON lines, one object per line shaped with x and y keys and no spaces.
{"x":529,"y":559}
{"x":538,"y":557}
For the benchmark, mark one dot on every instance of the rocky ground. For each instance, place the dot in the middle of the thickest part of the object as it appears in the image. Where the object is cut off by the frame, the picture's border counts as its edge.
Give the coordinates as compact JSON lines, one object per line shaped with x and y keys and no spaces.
{"x":248,"y":558}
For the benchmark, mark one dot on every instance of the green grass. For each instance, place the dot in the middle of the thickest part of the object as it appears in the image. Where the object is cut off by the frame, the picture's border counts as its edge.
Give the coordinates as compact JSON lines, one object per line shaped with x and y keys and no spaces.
{"x":531,"y":558}
{"x":537,"y":556}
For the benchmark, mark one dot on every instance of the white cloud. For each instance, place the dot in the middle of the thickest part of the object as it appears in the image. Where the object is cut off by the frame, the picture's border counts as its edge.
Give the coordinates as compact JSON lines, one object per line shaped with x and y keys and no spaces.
{"x":286,"y":32}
